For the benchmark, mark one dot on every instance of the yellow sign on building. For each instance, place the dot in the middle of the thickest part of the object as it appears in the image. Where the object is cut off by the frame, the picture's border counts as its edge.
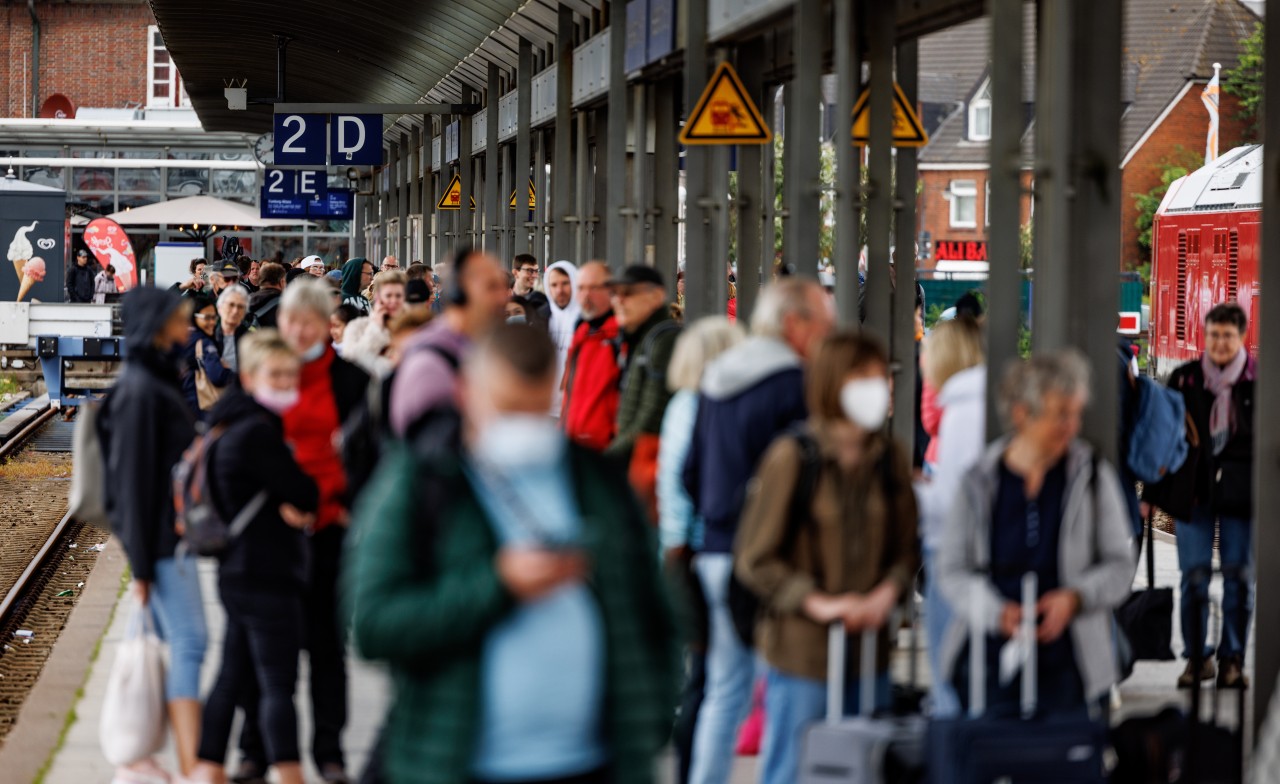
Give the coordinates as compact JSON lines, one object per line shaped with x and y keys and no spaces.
{"x":451,"y":199}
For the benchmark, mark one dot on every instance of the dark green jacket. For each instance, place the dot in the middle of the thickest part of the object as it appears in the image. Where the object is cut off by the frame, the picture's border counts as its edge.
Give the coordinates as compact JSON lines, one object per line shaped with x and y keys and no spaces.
{"x":644,"y":381}
{"x":425,"y":594}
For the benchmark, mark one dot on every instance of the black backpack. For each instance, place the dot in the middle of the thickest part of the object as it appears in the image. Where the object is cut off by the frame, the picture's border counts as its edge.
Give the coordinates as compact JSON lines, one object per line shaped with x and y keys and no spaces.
{"x":369,"y":426}
{"x":202,"y":527}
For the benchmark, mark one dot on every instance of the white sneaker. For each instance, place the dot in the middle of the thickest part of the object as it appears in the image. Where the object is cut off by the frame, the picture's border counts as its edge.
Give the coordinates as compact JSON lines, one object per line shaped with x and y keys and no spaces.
{"x":146,"y":771}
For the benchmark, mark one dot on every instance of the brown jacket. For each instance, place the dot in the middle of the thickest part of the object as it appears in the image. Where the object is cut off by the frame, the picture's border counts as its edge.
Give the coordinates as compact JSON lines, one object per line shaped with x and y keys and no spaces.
{"x":858,"y":532}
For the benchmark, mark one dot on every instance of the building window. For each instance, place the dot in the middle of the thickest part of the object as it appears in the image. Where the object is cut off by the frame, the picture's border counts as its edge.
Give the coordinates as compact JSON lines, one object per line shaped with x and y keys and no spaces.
{"x":164,"y":85}
{"x":980,"y":114}
{"x":964,"y":204}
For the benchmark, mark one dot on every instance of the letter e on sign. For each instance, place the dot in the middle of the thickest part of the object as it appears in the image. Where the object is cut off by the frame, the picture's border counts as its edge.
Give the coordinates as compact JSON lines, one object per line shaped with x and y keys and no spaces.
{"x":299,"y":140}
{"x":313,"y":185}
{"x":355,"y":139}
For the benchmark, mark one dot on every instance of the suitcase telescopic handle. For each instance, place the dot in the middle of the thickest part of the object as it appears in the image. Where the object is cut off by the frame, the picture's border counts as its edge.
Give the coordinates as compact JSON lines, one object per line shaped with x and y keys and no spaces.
{"x":1030,"y":680}
{"x":837,"y":662}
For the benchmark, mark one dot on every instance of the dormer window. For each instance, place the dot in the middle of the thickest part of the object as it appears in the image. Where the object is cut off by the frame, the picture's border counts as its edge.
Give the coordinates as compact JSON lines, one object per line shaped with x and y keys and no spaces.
{"x":980,"y":114}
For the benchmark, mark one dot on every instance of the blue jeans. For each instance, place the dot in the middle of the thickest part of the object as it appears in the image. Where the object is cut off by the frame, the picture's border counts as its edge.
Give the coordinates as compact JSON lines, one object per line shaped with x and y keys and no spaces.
{"x":791,"y":705}
{"x":730,"y":667}
{"x":937,"y":619}
{"x":1195,"y":554}
{"x":178,"y":608}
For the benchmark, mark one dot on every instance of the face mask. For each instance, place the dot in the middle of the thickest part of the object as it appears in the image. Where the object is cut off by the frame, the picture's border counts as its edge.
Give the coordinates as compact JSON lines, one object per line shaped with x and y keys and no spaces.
{"x":277,"y":401}
{"x":519,"y":441}
{"x":516,"y":320}
{"x":866,"y":402}
{"x":313,"y":353}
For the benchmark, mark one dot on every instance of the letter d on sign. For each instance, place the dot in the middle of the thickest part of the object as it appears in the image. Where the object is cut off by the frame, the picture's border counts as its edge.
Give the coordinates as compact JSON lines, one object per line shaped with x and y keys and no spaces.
{"x":355,"y":139}
{"x":344,"y":122}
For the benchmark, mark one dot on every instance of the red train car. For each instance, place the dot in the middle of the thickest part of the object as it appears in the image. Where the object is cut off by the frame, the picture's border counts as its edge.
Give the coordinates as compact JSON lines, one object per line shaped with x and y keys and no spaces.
{"x":1206,"y":238}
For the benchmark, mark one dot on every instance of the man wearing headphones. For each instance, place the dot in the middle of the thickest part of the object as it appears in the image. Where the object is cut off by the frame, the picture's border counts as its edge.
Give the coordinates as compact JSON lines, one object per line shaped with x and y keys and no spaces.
{"x":475,"y":300}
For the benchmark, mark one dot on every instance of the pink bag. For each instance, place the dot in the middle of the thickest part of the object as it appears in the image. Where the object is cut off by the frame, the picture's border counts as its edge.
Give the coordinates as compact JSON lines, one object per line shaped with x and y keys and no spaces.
{"x":752,"y":730}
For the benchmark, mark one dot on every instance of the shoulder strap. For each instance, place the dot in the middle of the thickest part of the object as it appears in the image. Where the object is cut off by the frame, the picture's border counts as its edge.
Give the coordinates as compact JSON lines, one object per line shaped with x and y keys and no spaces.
{"x":451,"y":359}
{"x":800,"y":510}
{"x":266,"y":307}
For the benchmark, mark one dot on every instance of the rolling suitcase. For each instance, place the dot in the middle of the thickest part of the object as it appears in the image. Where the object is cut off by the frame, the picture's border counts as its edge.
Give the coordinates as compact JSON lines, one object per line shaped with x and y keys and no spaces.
{"x":981,"y":750}
{"x":1214,"y":753}
{"x":862,"y":749}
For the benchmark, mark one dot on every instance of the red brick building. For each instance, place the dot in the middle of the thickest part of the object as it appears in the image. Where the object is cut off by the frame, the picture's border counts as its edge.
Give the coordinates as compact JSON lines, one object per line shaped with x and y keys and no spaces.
{"x":97,"y":54}
{"x":1170,"y":50}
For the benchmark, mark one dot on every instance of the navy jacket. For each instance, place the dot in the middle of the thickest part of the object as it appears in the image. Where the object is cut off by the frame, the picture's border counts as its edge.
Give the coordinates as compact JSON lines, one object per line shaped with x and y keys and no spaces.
{"x":749,"y":395}
{"x":219,"y":375}
{"x":252,"y":456}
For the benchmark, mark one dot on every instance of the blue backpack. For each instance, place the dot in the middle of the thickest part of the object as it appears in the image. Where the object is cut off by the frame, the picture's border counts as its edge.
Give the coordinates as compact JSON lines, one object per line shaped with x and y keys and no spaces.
{"x":1158,"y":444}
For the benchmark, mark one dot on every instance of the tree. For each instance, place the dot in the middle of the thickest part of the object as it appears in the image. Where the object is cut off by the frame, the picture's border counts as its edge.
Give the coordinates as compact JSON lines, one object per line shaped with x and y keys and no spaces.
{"x":1180,"y":164}
{"x":1245,"y":82}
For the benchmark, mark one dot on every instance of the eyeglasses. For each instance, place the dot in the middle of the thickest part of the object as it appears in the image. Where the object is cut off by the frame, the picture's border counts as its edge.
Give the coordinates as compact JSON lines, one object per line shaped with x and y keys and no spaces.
{"x":529,"y":270}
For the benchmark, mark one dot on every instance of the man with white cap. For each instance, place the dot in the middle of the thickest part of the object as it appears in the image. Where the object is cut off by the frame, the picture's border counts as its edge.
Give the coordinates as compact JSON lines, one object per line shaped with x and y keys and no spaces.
{"x":559,"y":282}
{"x":313,"y":265}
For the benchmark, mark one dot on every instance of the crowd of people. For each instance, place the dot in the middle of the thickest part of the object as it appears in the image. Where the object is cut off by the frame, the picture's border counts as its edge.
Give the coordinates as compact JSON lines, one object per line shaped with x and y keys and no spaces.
{"x":577,"y":529}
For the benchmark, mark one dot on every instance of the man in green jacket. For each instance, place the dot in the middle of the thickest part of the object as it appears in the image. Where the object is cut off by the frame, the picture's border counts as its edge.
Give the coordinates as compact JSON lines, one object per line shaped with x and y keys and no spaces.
{"x":639,"y":302}
{"x":515,"y":593}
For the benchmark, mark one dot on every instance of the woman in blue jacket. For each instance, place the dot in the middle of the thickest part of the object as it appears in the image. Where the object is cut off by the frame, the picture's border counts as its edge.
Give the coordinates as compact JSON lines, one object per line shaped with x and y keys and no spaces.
{"x":202,"y":354}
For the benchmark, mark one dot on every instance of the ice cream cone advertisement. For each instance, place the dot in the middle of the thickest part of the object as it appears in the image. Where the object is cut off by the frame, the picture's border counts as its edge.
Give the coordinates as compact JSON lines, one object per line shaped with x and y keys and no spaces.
{"x":110,"y":245}
{"x":29,"y":244}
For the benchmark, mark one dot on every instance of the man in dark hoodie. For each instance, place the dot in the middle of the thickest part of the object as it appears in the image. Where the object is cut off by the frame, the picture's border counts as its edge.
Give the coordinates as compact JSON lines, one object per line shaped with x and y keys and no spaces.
{"x":144,"y":425}
{"x":357,"y":274}
{"x":749,"y":395}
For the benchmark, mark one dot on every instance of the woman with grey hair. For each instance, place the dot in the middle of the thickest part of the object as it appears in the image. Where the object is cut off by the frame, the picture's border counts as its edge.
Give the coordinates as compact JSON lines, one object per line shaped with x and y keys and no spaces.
{"x":1039,"y":500}
{"x":233,"y":306}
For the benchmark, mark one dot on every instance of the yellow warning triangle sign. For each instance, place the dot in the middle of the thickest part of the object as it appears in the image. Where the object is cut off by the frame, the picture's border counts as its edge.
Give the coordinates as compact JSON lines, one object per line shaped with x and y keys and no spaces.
{"x":533,"y":202}
{"x":451,"y":199}
{"x":907,"y":130}
{"x":725,"y":114}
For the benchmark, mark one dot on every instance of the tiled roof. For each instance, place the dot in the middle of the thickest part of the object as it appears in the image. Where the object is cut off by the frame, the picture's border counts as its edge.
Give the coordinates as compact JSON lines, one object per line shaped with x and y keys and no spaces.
{"x":1167,"y":43}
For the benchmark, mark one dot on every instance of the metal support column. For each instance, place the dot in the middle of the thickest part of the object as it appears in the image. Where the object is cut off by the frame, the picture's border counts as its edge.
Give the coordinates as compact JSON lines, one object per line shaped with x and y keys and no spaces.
{"x":359,"y":205}
{"x":415,"y":196}
{"x":581,"y":173}
{"x":636,"y":218}
{"x":615,"y":218}
{"x":1266,"y":466}
{"x":804,"y":129}
{"x":769,"y":195}
{"x":466,"y":171}
{"x":493,"y":206}
{"x":509,"y":220}
{"x":524,"y":123}
{"x":750,"y":198}
{"x":902,"y":336}
{"x":537,"y":226}
{"x":1096,"y":202}
{"x":401,"y":251}
{"x":562,"y":206}
{"x":699,"y":287}
{"x":428,"y":196}
{"x":1004,"y":283}
{"x":1052,"y":176}
{"x":880,"y":168}
{"x":665,"y":213}
{"x":393,"y":201}
{"x":848,"y":165}
{"x":598,"y":229}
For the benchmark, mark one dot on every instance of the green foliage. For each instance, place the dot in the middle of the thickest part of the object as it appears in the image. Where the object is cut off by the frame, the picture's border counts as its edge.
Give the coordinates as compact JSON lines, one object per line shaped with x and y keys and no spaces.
{"x":1024,"y":341}
{"x":1245,"y":82}
{"x":8,"y":386}
{"x":1180,"y":164}
{"x":1026,"y":245}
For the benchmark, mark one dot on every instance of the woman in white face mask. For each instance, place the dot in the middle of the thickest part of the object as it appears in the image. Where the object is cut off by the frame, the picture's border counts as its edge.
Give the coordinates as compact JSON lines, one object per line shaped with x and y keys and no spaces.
{"x":828,"y":536}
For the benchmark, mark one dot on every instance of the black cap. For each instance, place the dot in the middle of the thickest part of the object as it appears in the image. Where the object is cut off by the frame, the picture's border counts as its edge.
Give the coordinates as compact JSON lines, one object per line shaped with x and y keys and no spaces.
{"x":226,"y":269}
{"x":637,"y":274}
{"x":82,"y":252}
{"x":416,"y":292}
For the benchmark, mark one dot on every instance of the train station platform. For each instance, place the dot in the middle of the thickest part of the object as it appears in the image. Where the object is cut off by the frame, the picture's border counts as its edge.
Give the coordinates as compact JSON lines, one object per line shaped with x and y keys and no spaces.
{"x":79,"y":760}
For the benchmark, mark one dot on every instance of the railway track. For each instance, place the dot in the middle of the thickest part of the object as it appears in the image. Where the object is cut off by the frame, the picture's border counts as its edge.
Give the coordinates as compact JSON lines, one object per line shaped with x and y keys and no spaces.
{"x":45,"y":558}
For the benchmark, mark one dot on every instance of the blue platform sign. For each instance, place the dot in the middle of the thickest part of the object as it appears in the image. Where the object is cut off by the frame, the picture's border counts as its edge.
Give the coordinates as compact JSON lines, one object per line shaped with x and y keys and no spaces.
{"x":300,"y":140}
{"x":289,"y":194}
{"x":637,"y":24}
{"x":355,"y":140}
{"x":338,"y":205}
{"x":662,"y":29}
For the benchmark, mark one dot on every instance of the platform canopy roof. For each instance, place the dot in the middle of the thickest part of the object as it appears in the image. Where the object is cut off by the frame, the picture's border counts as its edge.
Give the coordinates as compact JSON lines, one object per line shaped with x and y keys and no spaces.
{"x":384,"y":52}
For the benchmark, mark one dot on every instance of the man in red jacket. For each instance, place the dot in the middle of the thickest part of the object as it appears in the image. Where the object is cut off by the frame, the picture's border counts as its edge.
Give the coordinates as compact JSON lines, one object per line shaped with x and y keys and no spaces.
{"x":590,"y":410}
